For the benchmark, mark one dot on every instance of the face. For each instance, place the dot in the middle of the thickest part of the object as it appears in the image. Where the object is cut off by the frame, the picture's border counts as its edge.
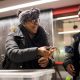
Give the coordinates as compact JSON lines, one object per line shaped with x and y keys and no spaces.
{"x":32,"y":26}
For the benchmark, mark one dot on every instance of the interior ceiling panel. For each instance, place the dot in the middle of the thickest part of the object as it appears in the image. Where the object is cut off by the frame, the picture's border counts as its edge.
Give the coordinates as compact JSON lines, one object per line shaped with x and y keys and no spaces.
{"x":57,"y":4}
{"x":6,"y":3}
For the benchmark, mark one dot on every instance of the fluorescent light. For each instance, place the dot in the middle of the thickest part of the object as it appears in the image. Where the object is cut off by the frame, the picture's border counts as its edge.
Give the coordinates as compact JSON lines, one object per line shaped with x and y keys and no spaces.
{"x":66,"y":17}
{"x":69,"y":32}
{"x":25,"y":5}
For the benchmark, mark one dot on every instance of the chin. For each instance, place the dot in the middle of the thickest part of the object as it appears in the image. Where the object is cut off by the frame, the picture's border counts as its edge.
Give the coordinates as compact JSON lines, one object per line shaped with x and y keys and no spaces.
{"x":34,"y":32}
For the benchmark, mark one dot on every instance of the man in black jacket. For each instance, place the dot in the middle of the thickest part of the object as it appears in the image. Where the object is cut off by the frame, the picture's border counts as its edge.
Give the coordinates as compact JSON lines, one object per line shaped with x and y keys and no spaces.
{"x":72,"y":60}
{"x":26,"y":45}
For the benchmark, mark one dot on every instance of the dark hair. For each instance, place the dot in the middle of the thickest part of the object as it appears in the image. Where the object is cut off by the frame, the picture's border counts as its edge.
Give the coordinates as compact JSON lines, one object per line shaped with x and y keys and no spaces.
{"x":71,"y":49}
{"x":76,"y":36}
{"x":28,"y":15}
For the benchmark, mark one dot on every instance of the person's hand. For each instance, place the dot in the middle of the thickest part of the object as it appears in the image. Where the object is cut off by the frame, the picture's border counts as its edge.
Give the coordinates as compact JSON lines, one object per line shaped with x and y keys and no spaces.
{"x":44,"y":52}
{"x":52,"y":50}
{"x":70,"y":69}
{"x":43,"y":62}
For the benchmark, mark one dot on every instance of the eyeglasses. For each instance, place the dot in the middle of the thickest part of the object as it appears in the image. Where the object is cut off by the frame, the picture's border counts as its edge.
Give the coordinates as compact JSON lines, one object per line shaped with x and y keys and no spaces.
{"x":35,"y":21}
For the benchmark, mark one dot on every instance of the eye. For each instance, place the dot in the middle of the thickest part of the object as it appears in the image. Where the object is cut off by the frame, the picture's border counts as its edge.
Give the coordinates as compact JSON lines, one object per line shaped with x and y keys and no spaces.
{"x":35,"y":21}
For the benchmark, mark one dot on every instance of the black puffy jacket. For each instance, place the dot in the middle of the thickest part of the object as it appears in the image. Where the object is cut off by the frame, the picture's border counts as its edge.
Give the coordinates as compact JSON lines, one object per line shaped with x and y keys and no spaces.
{"x":73,"y":55}
{"x":21,"y":50}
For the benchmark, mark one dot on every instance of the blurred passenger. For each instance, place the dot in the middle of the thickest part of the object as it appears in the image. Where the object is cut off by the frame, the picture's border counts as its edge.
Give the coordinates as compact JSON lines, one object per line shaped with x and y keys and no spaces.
{"x":26,"y":45}
{"x":72,"y":61}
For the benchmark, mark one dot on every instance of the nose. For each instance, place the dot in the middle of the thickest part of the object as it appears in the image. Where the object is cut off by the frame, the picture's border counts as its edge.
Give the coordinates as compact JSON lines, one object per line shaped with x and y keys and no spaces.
{"x":36,"y":23}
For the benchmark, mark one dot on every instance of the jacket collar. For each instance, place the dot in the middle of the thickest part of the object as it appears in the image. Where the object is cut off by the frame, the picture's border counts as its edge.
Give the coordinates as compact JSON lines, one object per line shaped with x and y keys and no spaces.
{"x":17,"y":32}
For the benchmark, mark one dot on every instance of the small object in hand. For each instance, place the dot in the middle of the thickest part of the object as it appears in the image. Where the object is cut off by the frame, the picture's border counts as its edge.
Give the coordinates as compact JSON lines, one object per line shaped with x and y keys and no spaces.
{"x":49,"y":48}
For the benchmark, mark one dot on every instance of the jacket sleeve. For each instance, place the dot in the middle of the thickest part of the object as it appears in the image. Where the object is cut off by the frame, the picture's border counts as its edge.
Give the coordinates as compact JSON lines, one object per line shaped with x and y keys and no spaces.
{"x":19,"y":55}
{"x":68,"y":59}
{"x":79,"y":48}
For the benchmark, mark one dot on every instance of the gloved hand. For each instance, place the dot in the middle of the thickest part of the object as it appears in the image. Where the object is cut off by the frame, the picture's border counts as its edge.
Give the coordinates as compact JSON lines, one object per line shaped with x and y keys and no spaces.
{"x":70,"y":69}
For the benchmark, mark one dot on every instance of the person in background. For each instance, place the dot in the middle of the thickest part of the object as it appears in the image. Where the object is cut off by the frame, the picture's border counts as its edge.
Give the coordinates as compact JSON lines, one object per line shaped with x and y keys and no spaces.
{"x":26,"y":44}
{"x":72,"y":60}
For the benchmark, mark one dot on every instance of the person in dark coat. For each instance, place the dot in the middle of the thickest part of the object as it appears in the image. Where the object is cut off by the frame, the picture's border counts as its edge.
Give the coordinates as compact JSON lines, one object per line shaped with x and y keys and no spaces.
{"x":26,"y":45}
{"x":72,"y":59}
